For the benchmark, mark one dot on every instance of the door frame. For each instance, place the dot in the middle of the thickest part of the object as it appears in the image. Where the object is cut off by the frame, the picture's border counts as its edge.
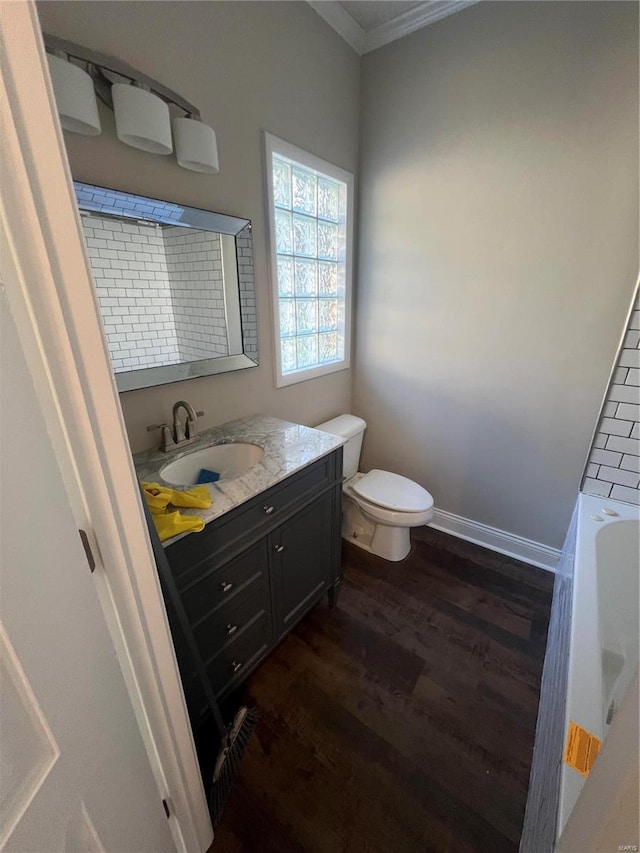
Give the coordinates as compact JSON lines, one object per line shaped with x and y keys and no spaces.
{"x":47,"y":282}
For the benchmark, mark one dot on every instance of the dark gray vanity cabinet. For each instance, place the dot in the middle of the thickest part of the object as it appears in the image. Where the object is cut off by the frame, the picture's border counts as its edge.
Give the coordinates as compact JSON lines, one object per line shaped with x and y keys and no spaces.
{"x":235,"y":589}
{"x":301,"y":562}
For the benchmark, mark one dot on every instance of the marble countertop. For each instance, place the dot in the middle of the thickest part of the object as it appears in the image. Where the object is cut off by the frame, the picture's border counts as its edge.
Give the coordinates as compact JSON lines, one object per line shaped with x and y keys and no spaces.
{"x":287,"y":448}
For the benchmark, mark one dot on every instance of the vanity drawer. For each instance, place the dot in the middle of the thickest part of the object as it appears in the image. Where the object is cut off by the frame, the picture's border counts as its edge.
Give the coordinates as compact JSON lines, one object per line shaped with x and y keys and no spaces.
{"x":253,"y":518}
{"x":280,"y":499}
{"x":223,"y":586}
{"x":229,"y":621}
{"x":232,"y":663}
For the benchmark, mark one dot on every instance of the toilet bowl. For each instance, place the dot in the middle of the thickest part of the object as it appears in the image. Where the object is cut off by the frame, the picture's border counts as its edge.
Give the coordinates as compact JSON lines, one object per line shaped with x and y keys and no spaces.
{"x":380,"y":508}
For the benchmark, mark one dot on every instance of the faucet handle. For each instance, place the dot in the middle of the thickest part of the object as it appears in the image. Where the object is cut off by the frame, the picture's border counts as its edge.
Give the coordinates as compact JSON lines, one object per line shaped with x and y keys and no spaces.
{"x":166,"y":442}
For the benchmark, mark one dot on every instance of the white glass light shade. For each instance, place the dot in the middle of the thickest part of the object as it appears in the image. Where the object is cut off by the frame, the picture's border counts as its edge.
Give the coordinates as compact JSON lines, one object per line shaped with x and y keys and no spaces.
{"x":196,"y":146}
{"x":142,"y":119}
{"x":75,"y":97}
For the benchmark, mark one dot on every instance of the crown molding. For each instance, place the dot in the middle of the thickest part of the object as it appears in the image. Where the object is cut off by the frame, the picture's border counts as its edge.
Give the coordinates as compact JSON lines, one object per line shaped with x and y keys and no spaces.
{"x":363,"y":41}
{"x":342,"y":22}
{"x":412,"y":20}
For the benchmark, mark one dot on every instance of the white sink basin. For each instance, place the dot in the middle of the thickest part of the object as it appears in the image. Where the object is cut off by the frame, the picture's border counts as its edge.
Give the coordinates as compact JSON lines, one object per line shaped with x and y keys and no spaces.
{"x":228,"y":460}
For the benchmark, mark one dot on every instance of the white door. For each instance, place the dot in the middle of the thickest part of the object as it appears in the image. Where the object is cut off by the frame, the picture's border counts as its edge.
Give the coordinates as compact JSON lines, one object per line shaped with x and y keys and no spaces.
{"x":74,"y":774}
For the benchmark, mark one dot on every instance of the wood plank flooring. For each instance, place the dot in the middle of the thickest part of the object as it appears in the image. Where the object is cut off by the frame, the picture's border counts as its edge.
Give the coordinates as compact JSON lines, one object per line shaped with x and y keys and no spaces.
{"x":403,"y":719}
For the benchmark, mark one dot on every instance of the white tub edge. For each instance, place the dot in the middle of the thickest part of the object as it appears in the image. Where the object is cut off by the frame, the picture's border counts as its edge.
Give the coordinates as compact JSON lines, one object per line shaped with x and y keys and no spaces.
{"x":584,"y":688}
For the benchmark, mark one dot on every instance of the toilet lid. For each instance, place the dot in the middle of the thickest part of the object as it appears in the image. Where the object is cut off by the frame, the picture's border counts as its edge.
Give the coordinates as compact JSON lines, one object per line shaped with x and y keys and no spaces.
{"x":393,"y":492}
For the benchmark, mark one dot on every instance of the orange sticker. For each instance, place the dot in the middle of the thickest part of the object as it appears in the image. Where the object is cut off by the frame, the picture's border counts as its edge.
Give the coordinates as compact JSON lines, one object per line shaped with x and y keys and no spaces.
{"x":582,"y":749}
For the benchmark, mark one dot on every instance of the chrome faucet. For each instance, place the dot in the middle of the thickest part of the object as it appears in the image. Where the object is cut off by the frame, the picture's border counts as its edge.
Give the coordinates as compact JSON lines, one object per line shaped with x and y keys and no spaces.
{"x":181,"y":433}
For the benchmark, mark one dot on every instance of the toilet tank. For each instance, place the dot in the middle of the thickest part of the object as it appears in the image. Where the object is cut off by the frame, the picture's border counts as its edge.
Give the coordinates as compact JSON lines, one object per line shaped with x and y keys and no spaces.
{"x":351,"y":428}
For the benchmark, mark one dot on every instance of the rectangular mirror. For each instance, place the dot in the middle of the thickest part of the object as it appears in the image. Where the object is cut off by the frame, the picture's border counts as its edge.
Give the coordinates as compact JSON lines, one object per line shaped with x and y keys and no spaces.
{"x":174,"y":284}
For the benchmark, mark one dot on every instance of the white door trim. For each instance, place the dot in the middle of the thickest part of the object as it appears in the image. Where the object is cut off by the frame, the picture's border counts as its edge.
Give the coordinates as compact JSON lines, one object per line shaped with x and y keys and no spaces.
{"x":51,"y":297}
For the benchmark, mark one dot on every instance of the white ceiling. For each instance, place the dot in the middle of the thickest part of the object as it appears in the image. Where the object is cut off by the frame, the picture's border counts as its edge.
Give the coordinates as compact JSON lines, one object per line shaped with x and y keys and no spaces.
{"x":371,"y":13}
{"x":368,"y":24}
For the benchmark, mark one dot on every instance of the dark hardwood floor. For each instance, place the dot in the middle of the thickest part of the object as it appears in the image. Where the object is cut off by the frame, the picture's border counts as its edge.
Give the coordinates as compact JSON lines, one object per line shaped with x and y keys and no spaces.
{"x":403,"y":719}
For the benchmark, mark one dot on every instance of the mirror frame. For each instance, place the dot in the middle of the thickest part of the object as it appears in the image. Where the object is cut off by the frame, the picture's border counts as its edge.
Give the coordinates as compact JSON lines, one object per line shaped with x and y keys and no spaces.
{"x":158,"y":211}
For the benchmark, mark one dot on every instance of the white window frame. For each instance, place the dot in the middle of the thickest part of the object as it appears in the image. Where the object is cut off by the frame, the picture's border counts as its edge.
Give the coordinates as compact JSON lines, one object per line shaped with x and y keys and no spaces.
{"x":274,"y":145}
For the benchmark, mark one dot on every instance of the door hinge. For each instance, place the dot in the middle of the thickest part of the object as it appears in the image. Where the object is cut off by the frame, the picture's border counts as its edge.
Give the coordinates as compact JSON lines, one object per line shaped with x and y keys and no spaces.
{"x":165,"y":806}
{"x":87,"y":550}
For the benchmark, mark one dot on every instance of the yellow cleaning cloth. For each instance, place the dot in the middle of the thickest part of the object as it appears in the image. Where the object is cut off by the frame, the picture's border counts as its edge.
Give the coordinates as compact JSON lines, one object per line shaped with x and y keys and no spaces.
{"x":158,"y":497}
{"x":169,"y":524}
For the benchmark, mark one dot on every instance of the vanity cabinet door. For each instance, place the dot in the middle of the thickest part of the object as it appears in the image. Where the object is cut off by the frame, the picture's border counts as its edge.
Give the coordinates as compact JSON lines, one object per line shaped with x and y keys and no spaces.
{"x":301,"y":562}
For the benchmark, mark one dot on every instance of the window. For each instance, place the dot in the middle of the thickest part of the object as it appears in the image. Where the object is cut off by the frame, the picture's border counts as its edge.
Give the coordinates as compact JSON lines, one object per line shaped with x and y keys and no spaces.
{"x":311,"y":223}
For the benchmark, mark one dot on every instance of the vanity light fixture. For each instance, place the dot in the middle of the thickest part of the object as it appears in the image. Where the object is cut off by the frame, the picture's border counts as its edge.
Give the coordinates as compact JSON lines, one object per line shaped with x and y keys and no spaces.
{"x":196,"y":147}
{"x":140,"y":105}
{"x":75,"y":96}
{"x":142,"y":118}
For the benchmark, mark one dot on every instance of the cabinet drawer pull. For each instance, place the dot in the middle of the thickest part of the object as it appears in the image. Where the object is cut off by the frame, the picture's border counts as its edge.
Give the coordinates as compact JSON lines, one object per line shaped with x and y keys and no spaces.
{"x":225,"y":587}
{"x":235,"y":666}
{"x":268,"y":509}
{"x":231,"y":629}
{"x":278,"y":548}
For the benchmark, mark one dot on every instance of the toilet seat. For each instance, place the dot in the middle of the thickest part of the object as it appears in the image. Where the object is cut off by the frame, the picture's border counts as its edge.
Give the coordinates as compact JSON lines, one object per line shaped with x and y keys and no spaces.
{"x":392,"y":492}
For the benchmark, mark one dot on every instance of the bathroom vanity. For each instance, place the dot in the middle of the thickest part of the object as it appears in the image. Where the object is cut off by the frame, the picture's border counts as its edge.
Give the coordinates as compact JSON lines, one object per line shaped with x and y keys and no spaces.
{"x":268,"y":553}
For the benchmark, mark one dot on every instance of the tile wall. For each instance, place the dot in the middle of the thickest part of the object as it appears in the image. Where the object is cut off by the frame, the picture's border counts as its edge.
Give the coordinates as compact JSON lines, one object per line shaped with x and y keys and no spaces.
{"x":160,"y":291}
{"x":613,"y":468}
{"x":134,"y":292}
{"x":195,"y":272}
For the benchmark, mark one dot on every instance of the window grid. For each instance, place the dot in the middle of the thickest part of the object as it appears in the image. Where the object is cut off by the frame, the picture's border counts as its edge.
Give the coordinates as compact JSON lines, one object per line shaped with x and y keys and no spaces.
{"x":310,"y":237}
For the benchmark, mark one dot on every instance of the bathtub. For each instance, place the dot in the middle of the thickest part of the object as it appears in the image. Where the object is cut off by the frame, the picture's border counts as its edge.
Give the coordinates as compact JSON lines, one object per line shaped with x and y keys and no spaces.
{"x":603,"y":654}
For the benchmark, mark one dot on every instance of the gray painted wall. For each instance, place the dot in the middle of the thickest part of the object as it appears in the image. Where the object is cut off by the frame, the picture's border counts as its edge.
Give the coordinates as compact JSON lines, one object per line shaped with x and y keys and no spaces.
{"x":499,"y":224}
{"x":248,"y":67}
{"x":498,"y":252}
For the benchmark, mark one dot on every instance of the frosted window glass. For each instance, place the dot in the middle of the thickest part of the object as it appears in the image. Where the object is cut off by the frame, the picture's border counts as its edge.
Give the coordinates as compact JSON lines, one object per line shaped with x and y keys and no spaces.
{"x":328,"y":314}
{"x":307,"y":350}
{"x":306,"y":277}
{"x":304,"y":191}
{"x":327,"y":346}
{"x":288,"y":353}
{"x":285,"y":275}
{"x":287,"y":317}
{"x":306,"y":315}
{"x":328,"y":199}
{"x":328,"y":279}
{"x":281,"y":183}
{"x":304,"y":235}
{"x":327,"y":241}
{"x":309,"y":210}
{"x":284,"y":239}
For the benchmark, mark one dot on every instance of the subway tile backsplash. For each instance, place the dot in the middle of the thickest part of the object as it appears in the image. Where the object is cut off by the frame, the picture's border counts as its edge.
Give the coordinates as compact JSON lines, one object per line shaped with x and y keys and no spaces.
{"x":613,"y":467}
{"x":147,"y":281}
{"x":194,"y":263}
{"x":134,"y":292}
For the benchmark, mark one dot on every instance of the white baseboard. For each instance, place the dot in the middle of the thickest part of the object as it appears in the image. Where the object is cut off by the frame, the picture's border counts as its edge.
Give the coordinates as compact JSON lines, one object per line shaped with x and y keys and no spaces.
{"x":496,"y":540}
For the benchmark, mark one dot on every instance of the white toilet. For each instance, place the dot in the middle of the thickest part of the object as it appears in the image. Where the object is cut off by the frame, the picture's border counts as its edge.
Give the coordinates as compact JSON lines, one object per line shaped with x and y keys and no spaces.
{"x":379,"y":507}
